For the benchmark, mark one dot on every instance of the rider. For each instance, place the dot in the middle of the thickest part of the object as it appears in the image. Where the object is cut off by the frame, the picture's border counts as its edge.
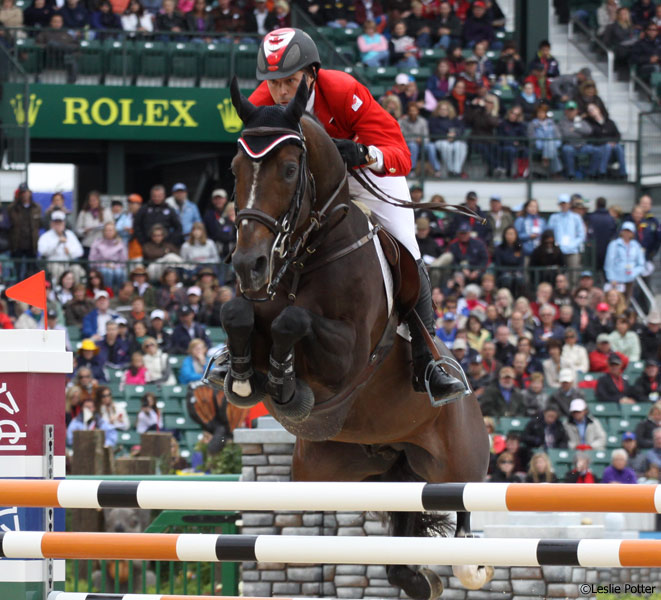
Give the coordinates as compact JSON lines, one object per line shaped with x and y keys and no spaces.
{"x":369,"y":139}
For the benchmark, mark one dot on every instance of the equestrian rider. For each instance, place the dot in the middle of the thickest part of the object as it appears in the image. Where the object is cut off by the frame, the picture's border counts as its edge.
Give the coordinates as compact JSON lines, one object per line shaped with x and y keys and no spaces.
{"x":369,"y":139}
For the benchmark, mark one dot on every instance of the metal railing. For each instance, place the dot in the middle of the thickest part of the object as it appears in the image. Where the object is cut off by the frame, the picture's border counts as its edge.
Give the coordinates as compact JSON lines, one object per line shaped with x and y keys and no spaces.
{"x":15,"y":133}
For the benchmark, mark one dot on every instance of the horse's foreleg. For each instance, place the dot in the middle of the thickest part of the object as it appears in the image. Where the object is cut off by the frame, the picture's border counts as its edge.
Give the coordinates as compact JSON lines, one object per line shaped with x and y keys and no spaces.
{"x":472,"y":577}
{"x":244,"y":386}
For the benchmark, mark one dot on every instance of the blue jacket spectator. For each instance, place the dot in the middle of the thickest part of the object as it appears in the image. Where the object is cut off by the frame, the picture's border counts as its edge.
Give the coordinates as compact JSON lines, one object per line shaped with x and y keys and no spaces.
{"x":625,"y":258}
{"x":602,"y":228}
{"x":647,"y":231}
{"x":477,"y":26}
{"x":94,"y":323}
{"x":187,"y":330}
{"x":483,"y":231}
{"x":75,"y":15}
{"x":469,"y":254}
{"x":114,"y":350}
{"x":105,"y":18}
{"x":568,"y":228}
{"x":188,"y":373}
{"x":530,"y":226}
{"x":188,"y":212}
{"x":88,"y":419}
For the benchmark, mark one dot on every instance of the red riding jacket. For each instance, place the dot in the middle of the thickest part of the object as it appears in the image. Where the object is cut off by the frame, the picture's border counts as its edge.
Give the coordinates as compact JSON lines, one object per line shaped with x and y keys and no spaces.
{"x":347,"y":110}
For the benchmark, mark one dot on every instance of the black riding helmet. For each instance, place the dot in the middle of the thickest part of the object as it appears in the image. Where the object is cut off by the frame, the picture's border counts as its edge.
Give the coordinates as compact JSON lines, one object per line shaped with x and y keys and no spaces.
{"x":285,"y":51}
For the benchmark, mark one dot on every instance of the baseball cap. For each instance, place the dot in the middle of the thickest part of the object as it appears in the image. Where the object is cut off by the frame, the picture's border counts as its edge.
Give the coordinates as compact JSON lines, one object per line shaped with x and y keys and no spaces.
{"x":506,"y":372}
{"x":179,"y":187}
{"x":470,"y":59}
{"x":121,"y":321}
{"x":563,"y":198}
{"x":402,"y":79}
{"x":614,"y":359}
{"x":603,"y":337}
{"x":654,"y":317}
{"x":566,"y":376}
{"x":23,"y":187}
{"x":603,"y":306}
{"x":479,"y":3}
{"x":193,"y":289}
{"x":471,"y":195}
{"x":117,"y":202}
{"x":52,"y":313}
{"x":628,"y":226}
{"x":496,"y":197}
{"x":650,"y":362}
{"x":628,"y":435}
{"x":586,"y":274}
{"x":476,"y":359}
{"x":449,"y":316}
{"x":571,"y":105}
{"x":135,"y":198}
{"x":577,"y":405}
{"x":101,"y":294}
{"x":58,"y":215}
{"x":460,"y":344}
{"x":185,"y":310}
{"x":219,"y":192}
{"x":464,"y":227}
{"x":157,"y":313}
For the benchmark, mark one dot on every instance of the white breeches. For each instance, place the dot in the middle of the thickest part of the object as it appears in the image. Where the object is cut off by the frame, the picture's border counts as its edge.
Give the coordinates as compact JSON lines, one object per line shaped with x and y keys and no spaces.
{"x":399,"y":222}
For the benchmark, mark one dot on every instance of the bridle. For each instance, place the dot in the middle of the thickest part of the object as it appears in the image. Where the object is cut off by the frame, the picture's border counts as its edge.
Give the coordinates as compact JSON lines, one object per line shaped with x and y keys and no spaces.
{"x":284,"y":227}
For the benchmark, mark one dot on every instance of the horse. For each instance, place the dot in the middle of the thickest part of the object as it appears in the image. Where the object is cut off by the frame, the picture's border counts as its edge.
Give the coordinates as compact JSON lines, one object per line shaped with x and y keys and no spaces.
{"x":309,"y":332}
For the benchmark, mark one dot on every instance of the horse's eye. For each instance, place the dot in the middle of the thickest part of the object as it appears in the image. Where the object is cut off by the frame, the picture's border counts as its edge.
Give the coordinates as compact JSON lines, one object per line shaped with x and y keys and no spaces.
{"x":290,"y":170}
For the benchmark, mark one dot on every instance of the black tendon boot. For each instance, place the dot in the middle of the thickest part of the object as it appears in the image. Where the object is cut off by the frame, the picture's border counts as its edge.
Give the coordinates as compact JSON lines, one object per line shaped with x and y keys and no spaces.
{"x":441,"y":384}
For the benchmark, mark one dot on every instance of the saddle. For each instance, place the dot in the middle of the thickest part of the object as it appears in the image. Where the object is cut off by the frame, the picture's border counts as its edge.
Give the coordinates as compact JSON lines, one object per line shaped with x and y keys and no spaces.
{"x":405,"y":277}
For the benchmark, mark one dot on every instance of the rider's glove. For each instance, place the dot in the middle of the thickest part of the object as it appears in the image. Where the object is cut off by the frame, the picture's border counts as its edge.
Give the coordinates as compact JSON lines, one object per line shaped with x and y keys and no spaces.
{"x":352,"y":153}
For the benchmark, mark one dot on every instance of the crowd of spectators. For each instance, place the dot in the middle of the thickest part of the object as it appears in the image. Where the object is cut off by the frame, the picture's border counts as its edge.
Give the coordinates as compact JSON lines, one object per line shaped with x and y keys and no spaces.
{"x":537,"y":349}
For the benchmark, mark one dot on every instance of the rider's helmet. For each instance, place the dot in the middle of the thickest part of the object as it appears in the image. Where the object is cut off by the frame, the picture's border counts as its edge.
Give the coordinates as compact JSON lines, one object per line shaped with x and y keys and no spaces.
{"x":285,"y":51}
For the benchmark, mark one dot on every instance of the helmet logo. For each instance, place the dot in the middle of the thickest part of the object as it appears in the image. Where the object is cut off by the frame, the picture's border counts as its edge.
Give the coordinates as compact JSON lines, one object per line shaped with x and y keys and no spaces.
{"x":275,"y":44}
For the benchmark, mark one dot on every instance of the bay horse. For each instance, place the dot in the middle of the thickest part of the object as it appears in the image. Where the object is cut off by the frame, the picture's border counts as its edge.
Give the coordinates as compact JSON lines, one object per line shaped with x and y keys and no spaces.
{"x":310,"y":335}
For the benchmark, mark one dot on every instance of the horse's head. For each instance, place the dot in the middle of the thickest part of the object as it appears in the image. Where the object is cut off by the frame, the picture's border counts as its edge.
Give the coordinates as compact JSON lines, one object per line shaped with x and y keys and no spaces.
{"x":271,"y":173}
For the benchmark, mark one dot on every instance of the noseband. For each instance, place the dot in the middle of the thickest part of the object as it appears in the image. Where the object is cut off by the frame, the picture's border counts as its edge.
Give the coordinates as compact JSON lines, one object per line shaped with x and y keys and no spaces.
{"x":284,"y":226}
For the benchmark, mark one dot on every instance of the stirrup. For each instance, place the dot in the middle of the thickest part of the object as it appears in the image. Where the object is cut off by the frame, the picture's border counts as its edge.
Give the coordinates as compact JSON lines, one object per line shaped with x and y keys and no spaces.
{"x":451,"y":362}
{"x":220,"y":359}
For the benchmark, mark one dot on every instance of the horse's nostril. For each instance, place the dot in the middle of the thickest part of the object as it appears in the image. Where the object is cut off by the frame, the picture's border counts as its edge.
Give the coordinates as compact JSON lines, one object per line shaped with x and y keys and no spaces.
{"x":260,"y":266}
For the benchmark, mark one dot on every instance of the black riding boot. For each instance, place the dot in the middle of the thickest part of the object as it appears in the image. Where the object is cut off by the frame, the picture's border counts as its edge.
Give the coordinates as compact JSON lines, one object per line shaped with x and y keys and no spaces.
{"x":442,"y":385}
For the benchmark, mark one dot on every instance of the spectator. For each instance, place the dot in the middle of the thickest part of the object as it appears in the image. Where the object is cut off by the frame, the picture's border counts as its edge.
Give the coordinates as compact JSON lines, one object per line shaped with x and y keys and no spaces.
{"x":587,"y":95}
{"x":534,"y":396}
{"x":612,"y":386}
{"x":137,"y":373}
{"x":373,"y":46}
{"x":546,"y":136}
{"x":417,"y":25}
{"x":186,"y":210}
{"x":113,"y":350}
{"x":137,"y":312}
{"x":103,"y":18}
{"x":94,"y":323}
{"x":159,"y":252}
{"x":90,"y":221}
{"x":513,"y":151}
{"x":505,"y":350}
{"x":88,"y":358}
{"x":478,"y":378}
{"x":653,"y":455}
{"x":59,"y":246}
{"x":142,"y":287}
{"x":582,"y":430}
{"x":448,"y":26}
{"x":482,"y":117}
{"x":187,"y":330}
{"x":565,"y":87}
{"x":447,"y":130}
{"x":645,"y":429}
{"x":192,"y":367}
{"x":134,"y":19}
{"x":544,"y":56}
{"x":574,"y":355}
{"x":482,"y":231}
{"x":545,"y":430}
{"x":547,"y":330}
{"x":157,"y":363}
{"x":124,"y":221}
{"x":63,"y":291}
{"x":157,"y":331}
{"x":475,"y":334}
{"x":475,"y":81}
{"x":504,"y":471}
{"x":477,"y":26}
{"x":198,"y":249}
{"x":440,"y":83}
{"x":149,"y":418}
{"x":581,"y":473}
{"x":283,"y":16}
{"x":199,"y":20}
{"x":599,"y":356}
{"x":647,"y":234}
{"x":95,"y":283}
{"x":636,"y":459}
{"x":462,"y":353}
{"x":171,"y":293}
{"x":416,"y":133}
{"x":570,"y":231}
{"x":650,"y":336}
{"x":530,"y":226}
{"x":625,"y":259}
{"x":502,"y":399}
{"x":528,"y":101}
{"x":621,"y":36}
{"x":499,"y":219}
{"x":56,"y":203}
{"x":429,"y":250}
{"x":113,"y":414}
{"x":540,"y":82}
{"x":485,"y":68}
{"x":458,"y":98}
{"x":602,"y":322}
{"x":74,"y":15}
{"x":469,"y":254}
{"x":607,"y":135}
{"x":447,"y":332}
{"x":642,"y":12}
{"x":111,"y":249}
{"x":575,"y":132}
{"x":602,"y":228}
{"x":38,"y":14}
{"x":157,"y":212}
{"x":646,"y":388}
{"x":25,"y":217}
{"x":79,"y":306}
{"x":518,"y":326}
{"x":554,"y":372}
{"x":625,"y":341}
{"x":561,"y":399}
{"x":402,"y":48}
{"x":169,"y":19}
{"x":88,"y":419}
{"x":617,"y":305}
{"x":509,"y":68}
{"x":541,"y":469}
{"x":509,"y":259}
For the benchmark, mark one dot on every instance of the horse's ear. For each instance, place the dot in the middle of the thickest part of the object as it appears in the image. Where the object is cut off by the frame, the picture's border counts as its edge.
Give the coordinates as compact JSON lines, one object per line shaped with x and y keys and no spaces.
{"x":244,"y":108}
{"x":296,"y":108}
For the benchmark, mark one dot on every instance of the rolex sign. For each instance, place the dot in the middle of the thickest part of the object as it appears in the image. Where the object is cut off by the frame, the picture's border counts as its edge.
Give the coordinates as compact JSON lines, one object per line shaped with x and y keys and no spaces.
{"x":121,"y":113}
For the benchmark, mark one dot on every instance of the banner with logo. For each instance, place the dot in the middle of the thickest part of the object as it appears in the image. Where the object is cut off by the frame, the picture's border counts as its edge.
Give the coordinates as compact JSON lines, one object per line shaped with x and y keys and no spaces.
{"x":122,"y":113}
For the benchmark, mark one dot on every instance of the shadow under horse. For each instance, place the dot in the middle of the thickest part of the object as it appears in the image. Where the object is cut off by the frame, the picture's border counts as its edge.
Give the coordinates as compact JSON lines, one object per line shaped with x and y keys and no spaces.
{"x":309,"y":333}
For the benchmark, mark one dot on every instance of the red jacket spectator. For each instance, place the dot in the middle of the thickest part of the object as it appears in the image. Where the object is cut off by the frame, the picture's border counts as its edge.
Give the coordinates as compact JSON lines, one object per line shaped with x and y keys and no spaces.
{"x":599,"y":361}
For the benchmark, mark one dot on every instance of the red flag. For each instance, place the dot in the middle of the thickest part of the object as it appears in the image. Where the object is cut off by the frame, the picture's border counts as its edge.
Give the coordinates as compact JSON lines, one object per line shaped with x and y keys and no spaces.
{"x":32,"y":291}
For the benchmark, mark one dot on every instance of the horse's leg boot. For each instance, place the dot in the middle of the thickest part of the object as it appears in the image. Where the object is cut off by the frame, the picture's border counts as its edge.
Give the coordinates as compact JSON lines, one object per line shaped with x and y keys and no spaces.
{"x":441,"y":384}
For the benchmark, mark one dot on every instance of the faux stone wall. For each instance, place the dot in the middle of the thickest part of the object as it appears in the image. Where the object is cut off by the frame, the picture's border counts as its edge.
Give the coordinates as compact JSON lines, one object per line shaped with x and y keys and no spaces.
{"x":267,"y":457}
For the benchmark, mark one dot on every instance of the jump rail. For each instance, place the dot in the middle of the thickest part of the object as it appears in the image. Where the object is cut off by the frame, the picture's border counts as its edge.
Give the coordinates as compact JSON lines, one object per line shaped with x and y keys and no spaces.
{"x":331,"y":496}
{"x":598,"y":553}
{"x":98,"y":596}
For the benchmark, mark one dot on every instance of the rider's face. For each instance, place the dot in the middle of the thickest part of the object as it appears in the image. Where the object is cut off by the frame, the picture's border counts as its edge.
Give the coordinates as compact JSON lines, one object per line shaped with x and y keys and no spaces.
{"x":283,"y":90}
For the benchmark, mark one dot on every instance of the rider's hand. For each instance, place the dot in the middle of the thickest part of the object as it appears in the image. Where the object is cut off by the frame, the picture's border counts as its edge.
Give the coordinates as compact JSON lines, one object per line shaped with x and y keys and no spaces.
{"x":353,"y":154}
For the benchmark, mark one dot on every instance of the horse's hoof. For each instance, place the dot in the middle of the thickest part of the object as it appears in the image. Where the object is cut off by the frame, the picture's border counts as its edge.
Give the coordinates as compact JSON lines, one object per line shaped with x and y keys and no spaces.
{"x":299,"y":407}
{"x":473,"y":577}
{"x":434,"y":582}
{"x":245,"y":394}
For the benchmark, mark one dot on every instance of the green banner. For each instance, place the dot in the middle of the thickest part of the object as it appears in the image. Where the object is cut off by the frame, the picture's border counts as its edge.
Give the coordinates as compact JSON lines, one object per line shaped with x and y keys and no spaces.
{"x":122,"y":113}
